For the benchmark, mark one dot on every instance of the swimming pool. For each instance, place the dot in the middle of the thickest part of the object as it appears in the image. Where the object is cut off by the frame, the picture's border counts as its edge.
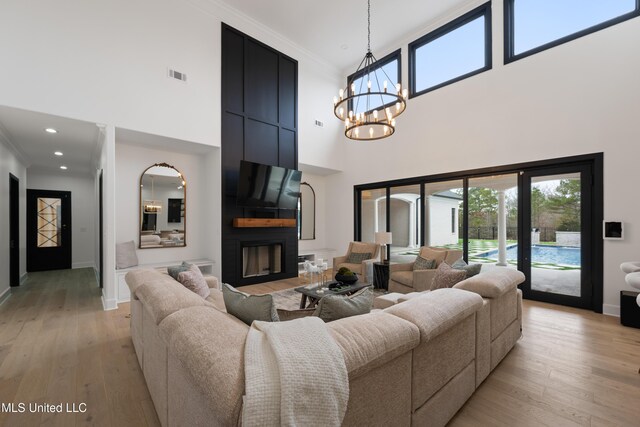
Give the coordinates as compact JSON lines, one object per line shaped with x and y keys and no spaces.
{"x":562,"y":255}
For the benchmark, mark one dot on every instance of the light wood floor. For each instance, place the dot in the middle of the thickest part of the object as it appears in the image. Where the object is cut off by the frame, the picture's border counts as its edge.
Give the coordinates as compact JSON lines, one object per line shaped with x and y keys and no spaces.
{"x":572,"y":367}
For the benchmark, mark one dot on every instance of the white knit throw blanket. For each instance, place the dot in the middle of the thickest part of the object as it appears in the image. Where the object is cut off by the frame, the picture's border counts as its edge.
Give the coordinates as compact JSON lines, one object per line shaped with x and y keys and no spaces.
{"x":295,"y":375}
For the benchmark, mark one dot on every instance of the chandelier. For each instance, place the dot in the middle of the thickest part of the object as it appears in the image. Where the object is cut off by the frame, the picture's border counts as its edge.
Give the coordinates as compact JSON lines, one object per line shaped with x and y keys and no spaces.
{"x":370,"y":102}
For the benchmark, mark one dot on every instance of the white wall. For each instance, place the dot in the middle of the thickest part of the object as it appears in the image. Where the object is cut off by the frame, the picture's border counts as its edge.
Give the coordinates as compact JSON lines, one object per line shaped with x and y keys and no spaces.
{"x":132,"y":161}
{"x":577,"y":98}
{"x":106,"y":62}
{"x":11,"y":164}
{"x":83,"y":210}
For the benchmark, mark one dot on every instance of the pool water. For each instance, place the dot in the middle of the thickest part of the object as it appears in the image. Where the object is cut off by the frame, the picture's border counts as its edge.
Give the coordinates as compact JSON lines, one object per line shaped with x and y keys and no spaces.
{"x":562,"y":255}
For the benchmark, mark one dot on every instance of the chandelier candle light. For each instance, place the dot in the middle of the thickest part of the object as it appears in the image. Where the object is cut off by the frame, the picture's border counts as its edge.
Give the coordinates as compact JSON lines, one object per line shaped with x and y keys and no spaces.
{"x":369,"y":115}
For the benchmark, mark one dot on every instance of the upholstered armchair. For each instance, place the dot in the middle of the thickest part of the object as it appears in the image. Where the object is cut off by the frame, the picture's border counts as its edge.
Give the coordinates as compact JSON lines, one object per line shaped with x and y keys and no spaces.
{"x":359,"y":267}
{"x":404,"y":279}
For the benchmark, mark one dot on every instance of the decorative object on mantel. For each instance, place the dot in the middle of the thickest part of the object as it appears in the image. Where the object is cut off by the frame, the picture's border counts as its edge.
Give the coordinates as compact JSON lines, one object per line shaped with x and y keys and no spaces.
{"x":383,"y":238}
{"x":369,"y":114}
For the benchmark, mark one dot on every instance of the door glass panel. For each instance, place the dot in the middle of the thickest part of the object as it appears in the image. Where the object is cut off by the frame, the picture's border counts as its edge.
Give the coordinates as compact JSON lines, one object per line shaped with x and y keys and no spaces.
{"x":443,"y":208}
{"x":405,"y":216}
{"x":556,"y":234}
{"x":49,"y":222}
{"x":374,"y":213}
{"x":493,"y":220}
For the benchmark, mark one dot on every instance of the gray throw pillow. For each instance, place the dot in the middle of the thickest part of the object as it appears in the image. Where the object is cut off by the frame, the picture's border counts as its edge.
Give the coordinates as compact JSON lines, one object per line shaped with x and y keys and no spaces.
{"x":126,"y":255}
{"x":446,"y":276}
{"x":424,"y":263}
{"x":470,"y":269}
{"x":193,"y":280}
{"x":358,"y":257}
{"x":249,"y":307}
{"x":334,"y":307}
{"x":174,"y":270}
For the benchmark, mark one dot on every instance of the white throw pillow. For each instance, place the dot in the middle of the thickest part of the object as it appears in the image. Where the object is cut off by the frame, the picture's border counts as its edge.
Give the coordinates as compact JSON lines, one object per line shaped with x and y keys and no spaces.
{"x":126,"y":255}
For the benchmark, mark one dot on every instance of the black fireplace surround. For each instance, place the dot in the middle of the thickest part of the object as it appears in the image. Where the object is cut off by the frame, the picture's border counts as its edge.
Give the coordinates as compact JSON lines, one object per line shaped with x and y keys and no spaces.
{"x":259,"y":124}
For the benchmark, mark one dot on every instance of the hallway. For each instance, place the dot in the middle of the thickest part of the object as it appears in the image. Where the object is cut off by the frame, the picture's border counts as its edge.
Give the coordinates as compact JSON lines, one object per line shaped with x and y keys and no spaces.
{"x":57,"y":345}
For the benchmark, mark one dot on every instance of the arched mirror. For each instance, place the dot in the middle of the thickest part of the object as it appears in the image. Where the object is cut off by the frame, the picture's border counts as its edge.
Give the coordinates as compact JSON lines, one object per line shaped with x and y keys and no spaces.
{"x":306,"y":213}
{"x":163,"y":194}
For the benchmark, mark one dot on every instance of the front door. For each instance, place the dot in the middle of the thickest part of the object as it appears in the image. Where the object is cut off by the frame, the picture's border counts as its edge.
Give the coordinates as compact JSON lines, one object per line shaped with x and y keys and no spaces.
{"x":14,"y":231}
{"x":48,"y":230}
{"x":557,"y":236}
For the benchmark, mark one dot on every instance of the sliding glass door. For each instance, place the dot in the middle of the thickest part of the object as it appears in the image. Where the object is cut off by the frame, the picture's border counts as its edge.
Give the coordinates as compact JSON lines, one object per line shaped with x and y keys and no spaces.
{"x":555,"y":255}
{"x":542,"y":218}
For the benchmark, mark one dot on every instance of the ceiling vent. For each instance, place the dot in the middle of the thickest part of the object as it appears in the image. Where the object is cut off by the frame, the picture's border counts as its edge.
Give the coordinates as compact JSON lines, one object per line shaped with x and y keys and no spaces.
{"x":177,"y":75}
{"x":319,"y":124}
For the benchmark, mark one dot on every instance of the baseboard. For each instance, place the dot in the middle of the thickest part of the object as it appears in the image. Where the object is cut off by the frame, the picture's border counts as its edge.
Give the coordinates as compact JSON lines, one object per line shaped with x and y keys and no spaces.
{"x":5,"y":295}
{"x":109,"y":304}
{"x":611,"y":310}
{"x":23,"y":278}
{"x":88,"y":264}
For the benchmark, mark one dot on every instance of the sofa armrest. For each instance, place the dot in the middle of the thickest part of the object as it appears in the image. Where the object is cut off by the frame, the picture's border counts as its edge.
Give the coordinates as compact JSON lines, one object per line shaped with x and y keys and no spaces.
{"x":407,"y":266}
{"x":339,"y":260}
{"x":213,"y":282}
{"x":422,"y":279}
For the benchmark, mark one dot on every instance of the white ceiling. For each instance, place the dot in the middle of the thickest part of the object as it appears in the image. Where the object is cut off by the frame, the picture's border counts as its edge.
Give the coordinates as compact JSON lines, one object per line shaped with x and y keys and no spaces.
{"x":77,"y":140}
{"x":325,"y":27}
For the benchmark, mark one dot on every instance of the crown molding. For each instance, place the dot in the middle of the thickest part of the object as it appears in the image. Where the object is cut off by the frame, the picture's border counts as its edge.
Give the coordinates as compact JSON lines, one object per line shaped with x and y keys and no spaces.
{"x":225,"y":12}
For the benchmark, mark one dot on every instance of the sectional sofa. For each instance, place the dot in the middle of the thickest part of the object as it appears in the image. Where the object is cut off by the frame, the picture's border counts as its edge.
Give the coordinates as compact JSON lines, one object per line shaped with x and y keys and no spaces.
{"x":413,"y":363}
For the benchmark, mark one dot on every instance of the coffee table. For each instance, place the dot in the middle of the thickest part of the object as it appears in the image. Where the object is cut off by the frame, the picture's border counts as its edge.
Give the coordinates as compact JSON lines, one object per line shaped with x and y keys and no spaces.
{"x":314,"y":296}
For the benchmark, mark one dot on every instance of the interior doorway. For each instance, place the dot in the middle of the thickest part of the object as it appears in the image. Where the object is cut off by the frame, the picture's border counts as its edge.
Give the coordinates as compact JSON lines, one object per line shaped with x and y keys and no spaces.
{"x":48,"y":230}
{"x":14,"y":231}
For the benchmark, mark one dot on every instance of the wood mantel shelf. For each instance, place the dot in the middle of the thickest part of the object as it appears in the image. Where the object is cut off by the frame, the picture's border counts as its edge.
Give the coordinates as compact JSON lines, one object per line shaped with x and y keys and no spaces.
{"x":264,"y":222}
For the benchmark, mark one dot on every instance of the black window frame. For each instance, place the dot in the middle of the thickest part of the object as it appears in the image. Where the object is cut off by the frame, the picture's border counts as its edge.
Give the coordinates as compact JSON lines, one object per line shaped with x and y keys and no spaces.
{"x":509,"y":32}
{"x":396,"y":54}
{"x":483,"y":10}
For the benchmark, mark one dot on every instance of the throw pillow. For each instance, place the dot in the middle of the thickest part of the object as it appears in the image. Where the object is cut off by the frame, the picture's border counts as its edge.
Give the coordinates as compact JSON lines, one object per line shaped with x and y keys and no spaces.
{"x":470,"y":269}
{"x":424,"y":263}
{"x":358,"y":257}
{"x":177,"y":269}
{"x":446,"y":276}
{"x":334,"y":307}
{"x":249,"y":307}
{"x":193,"y":280}
{"x":126,"y":255}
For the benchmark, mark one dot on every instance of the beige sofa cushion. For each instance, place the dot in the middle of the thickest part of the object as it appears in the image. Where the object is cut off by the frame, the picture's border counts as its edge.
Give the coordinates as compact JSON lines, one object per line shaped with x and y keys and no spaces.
{"x":161,"y":298}
{"x":493,"y":283}
{"x":404,"y":277}
{"x":217,"y":299}
{"x":437,"y":311}
{"x":370,"y":340}
{"x":210,"y":346}
{"x":437,"y":255}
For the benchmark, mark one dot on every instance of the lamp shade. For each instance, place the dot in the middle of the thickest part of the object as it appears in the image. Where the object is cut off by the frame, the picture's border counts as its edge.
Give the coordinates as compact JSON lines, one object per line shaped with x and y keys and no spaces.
{"x":383,"y":238}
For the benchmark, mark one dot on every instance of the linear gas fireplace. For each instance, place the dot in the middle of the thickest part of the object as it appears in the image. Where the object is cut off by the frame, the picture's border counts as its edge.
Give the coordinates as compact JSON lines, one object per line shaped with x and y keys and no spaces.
{"x":261,"y":259}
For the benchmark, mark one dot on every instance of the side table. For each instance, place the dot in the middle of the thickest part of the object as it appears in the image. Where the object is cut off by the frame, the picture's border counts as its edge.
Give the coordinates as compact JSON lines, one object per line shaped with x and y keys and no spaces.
{"x":381,"y":275}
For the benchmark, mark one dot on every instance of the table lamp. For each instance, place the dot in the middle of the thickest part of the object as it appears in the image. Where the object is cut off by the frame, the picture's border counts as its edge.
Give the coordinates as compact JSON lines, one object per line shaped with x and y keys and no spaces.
{"x":383,"y":238}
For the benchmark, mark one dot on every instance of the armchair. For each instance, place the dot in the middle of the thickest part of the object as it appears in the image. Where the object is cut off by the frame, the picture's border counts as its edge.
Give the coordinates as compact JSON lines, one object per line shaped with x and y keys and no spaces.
{"x":404,"y":279}
{"x":361,"y":267}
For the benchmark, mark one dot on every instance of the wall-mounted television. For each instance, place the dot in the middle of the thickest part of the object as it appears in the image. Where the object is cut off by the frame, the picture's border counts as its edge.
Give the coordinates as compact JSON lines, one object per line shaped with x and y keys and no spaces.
{"x":270,"y":187}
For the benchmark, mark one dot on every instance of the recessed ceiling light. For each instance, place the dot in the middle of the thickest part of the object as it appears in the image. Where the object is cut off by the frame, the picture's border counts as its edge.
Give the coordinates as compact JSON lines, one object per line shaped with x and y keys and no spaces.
{"x":63,"y":168}
{"x":50,"y":130}
{"x":58,"y":153}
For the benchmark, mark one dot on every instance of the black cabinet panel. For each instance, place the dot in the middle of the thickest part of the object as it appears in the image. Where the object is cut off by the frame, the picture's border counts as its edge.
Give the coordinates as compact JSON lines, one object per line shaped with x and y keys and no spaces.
{"x":233,"y":152}
{"x":232,"y":77}
{"x":288,"y":82}
{"x":288,"y":149}
{"x":261,"y":143}
{"x":261,"y":79}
